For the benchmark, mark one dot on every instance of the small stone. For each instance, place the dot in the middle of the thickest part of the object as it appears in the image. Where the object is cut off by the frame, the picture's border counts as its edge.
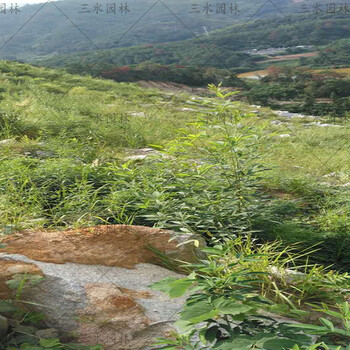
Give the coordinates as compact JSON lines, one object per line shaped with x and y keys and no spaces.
{"x":287,"y":114}
{"x":138,"y":114}
{"x":276,"y":122}
{"x":188,"y":109}
{"x":332,"y":174}
{"x":44,"y":154}
{"x":48,"y":333}
{"x":3,"y":142}
{"x":138,"y":157}
{"x":330,"y":125}
{"x":143,"y":153}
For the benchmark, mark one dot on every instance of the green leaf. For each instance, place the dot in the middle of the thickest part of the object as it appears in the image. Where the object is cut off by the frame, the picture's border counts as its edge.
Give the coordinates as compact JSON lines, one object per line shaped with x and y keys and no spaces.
{"x":6,"y":306}
{"x":164,"y":285}
{"x":235,"y":344}
{"x":299,"y":337}
{"x":301,"y":313}
{"x":35,"y":279}
{"x":231,"y":307}
{"x":49,"y":343}
{"x":26,"y":346}
{"x":328,"y":324}
{"x":24,"y":338}
{"x":279,"y":308}
{"x":199,"y":312}
{"x":183,"y":326}
{"x":27,"y":330}
{"x":211,"y":334}
{"x":279,"y":344}
{"x":173,"y":286}
{"x":308,"y":327}
{"x":261,"y":339}
{"x":15,"y":282}
{"x":179,"y":288}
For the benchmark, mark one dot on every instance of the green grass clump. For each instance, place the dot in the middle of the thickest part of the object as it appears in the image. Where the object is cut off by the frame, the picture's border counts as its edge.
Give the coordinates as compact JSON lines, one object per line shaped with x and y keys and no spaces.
{"x":65,"y":138}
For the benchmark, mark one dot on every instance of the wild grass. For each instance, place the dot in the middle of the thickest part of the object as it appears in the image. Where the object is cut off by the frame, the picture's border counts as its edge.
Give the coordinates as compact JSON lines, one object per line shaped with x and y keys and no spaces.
{"x":222,"y":172}
{"x":63,"y":163}
{"x":289,"y":278}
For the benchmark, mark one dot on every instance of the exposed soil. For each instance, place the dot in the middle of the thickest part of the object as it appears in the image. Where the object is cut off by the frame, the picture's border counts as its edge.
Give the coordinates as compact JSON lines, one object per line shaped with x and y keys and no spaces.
{"x":173,"y":87}
{"x":114,"y":245}
{"x":290,"y":57}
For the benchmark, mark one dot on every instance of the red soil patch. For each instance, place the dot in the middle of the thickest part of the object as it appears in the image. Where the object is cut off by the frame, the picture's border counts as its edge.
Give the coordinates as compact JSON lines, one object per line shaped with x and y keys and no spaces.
{"x":115,"y":245}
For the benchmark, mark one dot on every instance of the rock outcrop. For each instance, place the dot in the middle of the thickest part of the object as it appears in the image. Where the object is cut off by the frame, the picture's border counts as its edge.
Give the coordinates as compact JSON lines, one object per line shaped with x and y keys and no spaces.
{"x":96,"y":281}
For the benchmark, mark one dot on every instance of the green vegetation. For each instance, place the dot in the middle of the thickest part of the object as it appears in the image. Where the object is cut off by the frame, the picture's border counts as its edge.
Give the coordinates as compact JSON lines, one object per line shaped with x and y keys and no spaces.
{"x":264,"y":203}
{"x":224,"y":48}
{"x":335,"y":55}
{"x":223,"y":54}
{"x":64,"y":27}
{"x":239,"y":292}
{"x":236,"y":302}
{"x":300,"y":90}
{"x":194,"y":76}
{"x":64,"y":164}
{"x":199,"y":59}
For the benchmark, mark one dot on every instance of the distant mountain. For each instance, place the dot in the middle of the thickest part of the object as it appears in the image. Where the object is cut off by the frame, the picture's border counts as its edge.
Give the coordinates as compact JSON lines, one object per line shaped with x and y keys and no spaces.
{"x":223,"y":48}
{"x":66,"y":26}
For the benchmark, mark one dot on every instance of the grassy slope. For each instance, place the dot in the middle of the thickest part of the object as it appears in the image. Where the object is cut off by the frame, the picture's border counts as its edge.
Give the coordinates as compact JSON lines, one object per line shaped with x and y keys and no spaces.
{"x":70,"y":133}
{"x":51,"y":103}
{"x":60,"y":124}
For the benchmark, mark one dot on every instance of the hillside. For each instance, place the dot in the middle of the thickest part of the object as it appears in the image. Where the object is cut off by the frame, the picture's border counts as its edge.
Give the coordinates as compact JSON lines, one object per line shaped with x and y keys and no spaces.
{"x":107,"y":187}
{"x":65,"y":130}
{"x":66,"y":26}
{"x":224,"y":48}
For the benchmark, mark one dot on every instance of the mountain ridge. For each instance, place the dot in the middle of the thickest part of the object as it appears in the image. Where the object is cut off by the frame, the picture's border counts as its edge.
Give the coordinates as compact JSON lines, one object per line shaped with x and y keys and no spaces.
{"x":61,"y":27}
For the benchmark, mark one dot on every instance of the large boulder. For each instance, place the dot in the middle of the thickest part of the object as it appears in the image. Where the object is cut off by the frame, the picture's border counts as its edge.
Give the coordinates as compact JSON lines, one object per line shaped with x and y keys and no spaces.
{"x":96,"y":281}
{"x":114,"y":245}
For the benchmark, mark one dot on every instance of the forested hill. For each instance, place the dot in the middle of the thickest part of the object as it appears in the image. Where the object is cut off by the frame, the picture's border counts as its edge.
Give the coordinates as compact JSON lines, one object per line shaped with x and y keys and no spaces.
{"x":223,"y":48}
{"x":67,"y":26}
